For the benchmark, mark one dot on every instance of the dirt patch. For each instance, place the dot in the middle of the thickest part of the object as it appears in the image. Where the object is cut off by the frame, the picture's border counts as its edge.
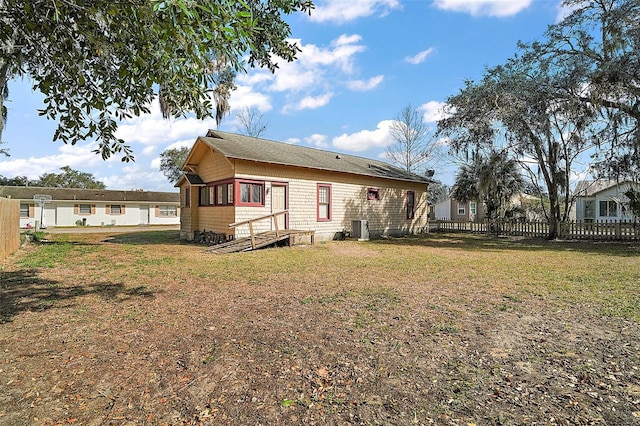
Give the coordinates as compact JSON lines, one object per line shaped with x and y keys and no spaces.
{"x":123,"y":332}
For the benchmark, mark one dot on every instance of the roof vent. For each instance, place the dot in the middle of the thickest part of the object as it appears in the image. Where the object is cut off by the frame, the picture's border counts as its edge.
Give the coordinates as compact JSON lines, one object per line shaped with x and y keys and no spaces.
{"x":338,"y":157}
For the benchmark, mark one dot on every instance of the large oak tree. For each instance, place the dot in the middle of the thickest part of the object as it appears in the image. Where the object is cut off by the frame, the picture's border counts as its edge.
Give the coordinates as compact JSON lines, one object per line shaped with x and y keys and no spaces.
{"x":522,"y":108}
{"x":101,"y":61}
{"x":599,"y":42}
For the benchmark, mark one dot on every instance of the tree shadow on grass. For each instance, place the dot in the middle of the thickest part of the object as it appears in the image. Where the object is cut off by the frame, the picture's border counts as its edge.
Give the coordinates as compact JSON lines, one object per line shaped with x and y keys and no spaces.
{"x":25,"y":290}
{"x":483,"y":242}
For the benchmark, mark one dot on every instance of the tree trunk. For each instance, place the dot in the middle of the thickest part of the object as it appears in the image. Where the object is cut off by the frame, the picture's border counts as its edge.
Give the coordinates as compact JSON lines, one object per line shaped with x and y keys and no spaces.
{"x":554,"y":212}
{"x":4,"y":81}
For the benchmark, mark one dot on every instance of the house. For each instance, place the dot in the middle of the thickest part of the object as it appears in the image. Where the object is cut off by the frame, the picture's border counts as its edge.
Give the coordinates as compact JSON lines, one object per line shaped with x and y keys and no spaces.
{"x":460,"y":211}
{"x":93,"y":207}
{"x":602,"y":201}
{"x":521,"y":206}
{"x":231,"y":178}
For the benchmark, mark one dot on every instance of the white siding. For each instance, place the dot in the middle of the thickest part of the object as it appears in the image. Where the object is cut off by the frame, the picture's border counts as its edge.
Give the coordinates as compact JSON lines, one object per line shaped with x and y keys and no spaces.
{"x":62,"y":213}
{"x":442,"y":210}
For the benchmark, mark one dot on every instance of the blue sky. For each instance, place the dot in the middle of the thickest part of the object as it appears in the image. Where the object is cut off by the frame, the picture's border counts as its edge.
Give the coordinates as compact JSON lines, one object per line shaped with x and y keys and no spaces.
{"x":362,"y":62}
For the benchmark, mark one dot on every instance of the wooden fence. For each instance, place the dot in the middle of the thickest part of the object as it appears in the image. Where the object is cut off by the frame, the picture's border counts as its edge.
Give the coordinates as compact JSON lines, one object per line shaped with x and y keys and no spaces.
{"x":9,"y":227}
{"x":616,"y":230}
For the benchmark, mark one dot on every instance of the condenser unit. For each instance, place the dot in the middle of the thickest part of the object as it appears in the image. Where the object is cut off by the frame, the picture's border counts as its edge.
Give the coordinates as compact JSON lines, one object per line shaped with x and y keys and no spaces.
{"x":361,"y":230}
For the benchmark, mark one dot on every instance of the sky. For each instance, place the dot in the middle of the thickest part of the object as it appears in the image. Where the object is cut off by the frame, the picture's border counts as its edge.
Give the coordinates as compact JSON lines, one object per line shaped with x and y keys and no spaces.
{"x":361,"y":63}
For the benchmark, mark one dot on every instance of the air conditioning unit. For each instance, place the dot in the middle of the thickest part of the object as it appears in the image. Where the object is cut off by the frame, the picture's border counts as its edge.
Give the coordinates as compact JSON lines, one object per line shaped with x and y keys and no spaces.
{"x":360,"y":230}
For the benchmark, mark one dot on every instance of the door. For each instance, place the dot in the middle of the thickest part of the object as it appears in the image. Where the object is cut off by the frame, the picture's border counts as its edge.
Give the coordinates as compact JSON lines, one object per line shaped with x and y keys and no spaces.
{"x":144,"y":215}
{"x":279,"y":203}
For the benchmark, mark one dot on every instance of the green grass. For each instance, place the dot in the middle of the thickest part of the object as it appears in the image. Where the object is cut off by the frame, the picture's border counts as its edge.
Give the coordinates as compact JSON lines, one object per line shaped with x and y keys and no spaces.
{"x":379,"y":274}
{"x":48,"y":256}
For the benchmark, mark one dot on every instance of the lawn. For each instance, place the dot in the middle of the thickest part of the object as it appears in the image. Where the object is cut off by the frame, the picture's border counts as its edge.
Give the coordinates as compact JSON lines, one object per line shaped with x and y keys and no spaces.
{"x":439,"y":329}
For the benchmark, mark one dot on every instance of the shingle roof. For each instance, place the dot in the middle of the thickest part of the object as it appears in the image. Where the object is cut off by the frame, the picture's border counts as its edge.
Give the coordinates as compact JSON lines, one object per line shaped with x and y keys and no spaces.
{"x":73,"y":194}
{"x":588,"y":188}
{"x":267,"y":151}
{"x":193,"y":179}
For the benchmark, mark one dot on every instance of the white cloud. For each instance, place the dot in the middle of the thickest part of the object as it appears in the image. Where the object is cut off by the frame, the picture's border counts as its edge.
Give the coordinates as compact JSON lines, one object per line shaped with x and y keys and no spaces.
{"x":247,"y":97}
{"x":365,"y":139}
{"x":151,"y":129}
{"x":79,"y":157}
{"x":292,"y":141}
{"x":254,"y":76}
{"x":317,"y":140}
{"x":181,"y":144}
{"x":364,"y":85}
{"x":340,"y":11}
{"x":136,"y":177}
{"x":340,"y":53}
{"x":432,"y":111}
{"x":310,"y":102}
{"x":564,"y":11}
{"x":293,"y":77}
{"x":499,"y":8}
{"x":188,"y":143}
{"x":420,"y":57}
{"x":313,"y":62}
{"x":148,"y":150}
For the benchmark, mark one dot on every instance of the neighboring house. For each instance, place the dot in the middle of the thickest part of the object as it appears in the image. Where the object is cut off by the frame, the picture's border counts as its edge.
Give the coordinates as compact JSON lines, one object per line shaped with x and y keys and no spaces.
{"x":461,"y":211}
{"x":473,"y":211}
{"x":94,"y":207}
{"x":602,"y":201}
{"x":232,"y":178}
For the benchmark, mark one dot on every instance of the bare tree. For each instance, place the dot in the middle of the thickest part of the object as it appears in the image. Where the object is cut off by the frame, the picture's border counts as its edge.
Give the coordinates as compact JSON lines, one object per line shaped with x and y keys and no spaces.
{"x":252,"y":122}
{"x":413,"y":147}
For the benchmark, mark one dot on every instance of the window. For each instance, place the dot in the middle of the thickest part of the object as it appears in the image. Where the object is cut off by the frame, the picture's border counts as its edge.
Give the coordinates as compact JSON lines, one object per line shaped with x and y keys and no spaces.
{"x":608,"y":208}
{"x":187,"y":196}
{"x":251,"y":193}
{"x":84,"y":209}
{"x":462,"y":209}
{"x":167,"y":211}
{"x":411,"y":204}
{"x":220,"y":194}
{"x":116,"y":209}
{"x":473,"y":208}
{"x":24,"y":210}
{"x":206,"y":196}
{"x":229,"y":193}
{"x":373,"y":194}
{"x":324,"y":202}
{"x":224,"y":194}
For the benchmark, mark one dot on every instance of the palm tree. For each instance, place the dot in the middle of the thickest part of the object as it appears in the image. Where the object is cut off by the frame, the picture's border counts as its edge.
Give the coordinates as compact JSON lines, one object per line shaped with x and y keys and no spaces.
{"x":493,"y":179}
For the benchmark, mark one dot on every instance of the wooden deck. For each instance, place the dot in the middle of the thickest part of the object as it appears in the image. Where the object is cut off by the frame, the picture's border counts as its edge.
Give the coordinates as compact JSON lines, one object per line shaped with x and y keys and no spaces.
{"x":260,"y":240}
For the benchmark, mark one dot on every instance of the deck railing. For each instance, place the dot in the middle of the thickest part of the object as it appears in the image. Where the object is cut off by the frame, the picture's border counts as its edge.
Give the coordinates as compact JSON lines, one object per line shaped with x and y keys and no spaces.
{"x":621,"y":230}
{"x":250,"y":222}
